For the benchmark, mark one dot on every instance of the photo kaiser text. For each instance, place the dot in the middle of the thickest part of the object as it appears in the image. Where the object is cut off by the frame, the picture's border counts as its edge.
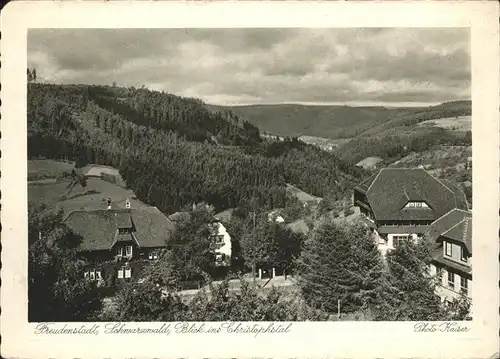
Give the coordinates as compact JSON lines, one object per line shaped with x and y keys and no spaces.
{"x":164,"y":328}
{"x":450,"y":327}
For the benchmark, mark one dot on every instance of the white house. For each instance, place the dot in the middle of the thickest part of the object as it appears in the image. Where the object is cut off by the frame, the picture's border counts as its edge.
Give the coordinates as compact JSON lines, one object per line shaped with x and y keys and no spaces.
{"x":222,"y":240}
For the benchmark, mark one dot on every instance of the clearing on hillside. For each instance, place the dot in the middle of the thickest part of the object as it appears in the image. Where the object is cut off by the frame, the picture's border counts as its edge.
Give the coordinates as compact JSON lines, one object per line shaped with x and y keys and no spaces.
{"x":459,"y":123}
{"x":106,"y":173}
{"x":369,"y":163}
{"x":93,"y":196}
{"x":43,"y":169}
{"x":301,"y":195}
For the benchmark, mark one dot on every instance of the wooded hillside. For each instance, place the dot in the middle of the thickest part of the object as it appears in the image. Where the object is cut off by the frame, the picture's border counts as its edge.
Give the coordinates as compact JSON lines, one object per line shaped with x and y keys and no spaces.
{"x":172,"y":151}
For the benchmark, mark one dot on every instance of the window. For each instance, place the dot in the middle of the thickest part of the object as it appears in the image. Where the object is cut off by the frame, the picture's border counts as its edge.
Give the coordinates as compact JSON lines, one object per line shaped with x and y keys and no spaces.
{"x":464,"y":285}
{"x":93,"y":274}
{"x":396,"y":240}
{"x":411,"y":204}
{"x":128,"y":250}
{"x":463,"y":254}
{"x":418,"y":204}
{"x":124,"y":272}
{"x":219,"y":239}
{"x":119,"y":251}
{"x":219,"y":257}
{"x":448,"y":249}
{"x":451,"y":280}
{"x":153,"y":254}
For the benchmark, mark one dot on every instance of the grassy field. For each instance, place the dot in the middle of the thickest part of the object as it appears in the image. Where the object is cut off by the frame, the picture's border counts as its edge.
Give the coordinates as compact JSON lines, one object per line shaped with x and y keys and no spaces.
{"x":324,"y":143}
{"x":369,"y":162}
{"x":438,"y":158}
{"x":43,"y":169}
{"x":93,"y":196}
{"x":460,"y":123}
{"x":301,"y":195}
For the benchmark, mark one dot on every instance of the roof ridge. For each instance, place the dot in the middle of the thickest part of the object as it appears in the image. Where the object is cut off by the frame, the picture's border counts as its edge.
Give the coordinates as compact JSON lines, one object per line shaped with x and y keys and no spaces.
{"x":463,"y":210}
{"x":464,"y":234}
{"x":442,"y":184}
{"x":443,"y":216}
{"x":406,"y":194}
{"x":374,"y":180}
{"x":449,"y":229}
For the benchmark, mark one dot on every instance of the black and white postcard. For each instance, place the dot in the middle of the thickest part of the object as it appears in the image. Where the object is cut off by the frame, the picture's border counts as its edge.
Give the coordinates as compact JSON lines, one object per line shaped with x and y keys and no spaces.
{"x":241,"y":180}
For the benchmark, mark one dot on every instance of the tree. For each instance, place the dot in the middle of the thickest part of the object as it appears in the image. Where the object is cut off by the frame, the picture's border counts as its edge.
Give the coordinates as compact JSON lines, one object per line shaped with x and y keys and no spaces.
{"x":250,"y":304}
{"x":408,"y":291}
{"x":145,"y":301}
{"x":30,"y":76}
{"x":57,"y":290}
{"x":339,"y":263}
{"x":33,"y":73}
{"x":270,"y":245}
{"x":192,"y":246}
{"x":77,"y":177}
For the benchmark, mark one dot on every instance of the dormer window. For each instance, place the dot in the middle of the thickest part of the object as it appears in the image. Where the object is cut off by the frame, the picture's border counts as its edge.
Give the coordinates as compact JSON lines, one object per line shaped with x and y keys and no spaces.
{"x":416,"y":204}
{"x":119,"y":251}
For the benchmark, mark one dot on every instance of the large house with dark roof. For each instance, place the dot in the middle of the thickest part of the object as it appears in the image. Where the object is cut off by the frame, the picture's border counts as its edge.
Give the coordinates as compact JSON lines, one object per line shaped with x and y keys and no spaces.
{"x":400,"y":203}
{"x":452,"y":256}
{"x":117,"y":242}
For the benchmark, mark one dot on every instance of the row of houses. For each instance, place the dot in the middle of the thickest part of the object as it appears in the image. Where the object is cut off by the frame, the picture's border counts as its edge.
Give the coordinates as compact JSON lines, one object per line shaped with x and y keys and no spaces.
{"x":397,"y":204}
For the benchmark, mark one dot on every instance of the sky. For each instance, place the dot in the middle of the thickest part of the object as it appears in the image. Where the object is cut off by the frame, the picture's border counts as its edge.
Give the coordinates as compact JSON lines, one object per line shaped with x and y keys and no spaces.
{"x":355,"y":66}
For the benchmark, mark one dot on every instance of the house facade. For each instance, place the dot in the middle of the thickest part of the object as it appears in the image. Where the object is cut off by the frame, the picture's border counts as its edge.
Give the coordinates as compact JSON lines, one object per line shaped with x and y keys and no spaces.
{"x":222,"y":241}
{"x":400,"y":203}
{"x":220,"y":238}
{"x":117,"y":243}
{"x":452,"y":255}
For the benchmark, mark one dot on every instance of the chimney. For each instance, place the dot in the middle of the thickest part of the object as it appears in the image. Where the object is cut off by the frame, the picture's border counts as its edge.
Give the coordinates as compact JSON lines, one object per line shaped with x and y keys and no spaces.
{"x":127,"y":203}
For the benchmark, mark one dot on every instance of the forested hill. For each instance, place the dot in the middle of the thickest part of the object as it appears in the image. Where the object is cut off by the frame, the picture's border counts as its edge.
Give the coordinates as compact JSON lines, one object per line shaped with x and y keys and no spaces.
{"x":172,"y":151}
{"x":335,"y":121}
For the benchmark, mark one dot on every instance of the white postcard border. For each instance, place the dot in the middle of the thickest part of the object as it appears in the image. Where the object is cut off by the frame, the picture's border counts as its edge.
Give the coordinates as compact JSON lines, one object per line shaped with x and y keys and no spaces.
{"x":332,"y":339}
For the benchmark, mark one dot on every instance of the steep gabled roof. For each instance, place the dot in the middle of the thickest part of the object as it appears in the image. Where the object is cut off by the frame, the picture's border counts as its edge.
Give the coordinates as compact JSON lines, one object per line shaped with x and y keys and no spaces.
{"x":455,"y":225}
{"x":390,"y":189}
{"x":99,"y":228}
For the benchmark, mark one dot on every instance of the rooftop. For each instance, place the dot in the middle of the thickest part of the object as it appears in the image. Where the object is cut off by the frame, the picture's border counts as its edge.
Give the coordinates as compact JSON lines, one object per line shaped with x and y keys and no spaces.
{"x":455,"y":225}
{"x":99,"y":228}
{"x":390,"y":189}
